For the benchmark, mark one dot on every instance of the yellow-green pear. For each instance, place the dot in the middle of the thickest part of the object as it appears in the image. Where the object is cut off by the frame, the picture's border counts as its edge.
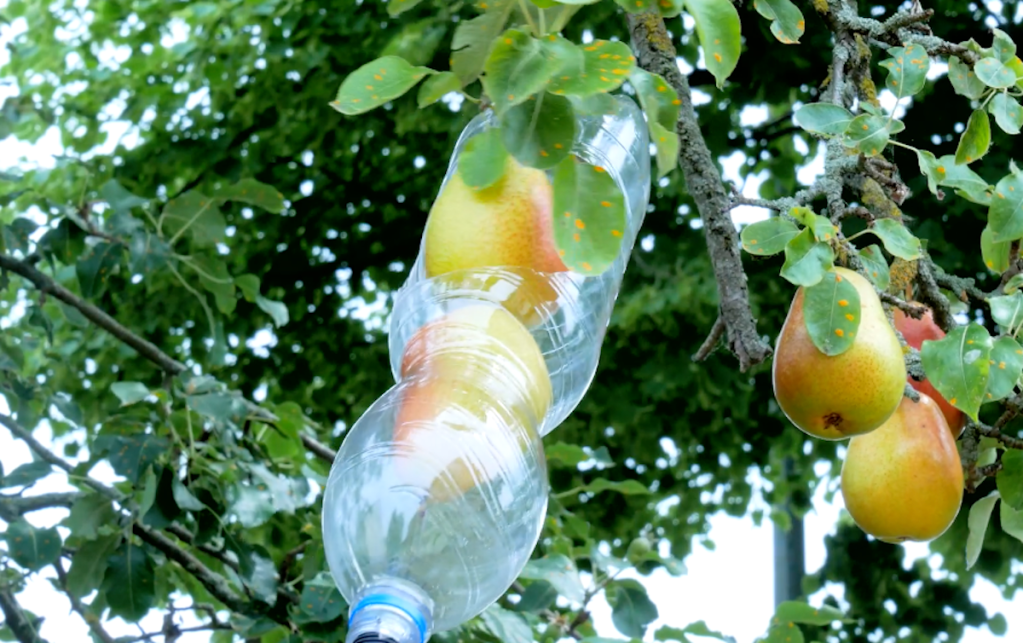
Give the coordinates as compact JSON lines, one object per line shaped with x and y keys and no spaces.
{"x":839,"y":396}
{"x":904,"y":481}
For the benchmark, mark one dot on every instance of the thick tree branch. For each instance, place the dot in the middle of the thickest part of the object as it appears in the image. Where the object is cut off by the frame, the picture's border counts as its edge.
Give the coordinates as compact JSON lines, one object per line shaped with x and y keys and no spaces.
{"x":16,"y":620}
{"x":150,"y":351}
{"x":656,"y":53}
{"x":12,"y":507}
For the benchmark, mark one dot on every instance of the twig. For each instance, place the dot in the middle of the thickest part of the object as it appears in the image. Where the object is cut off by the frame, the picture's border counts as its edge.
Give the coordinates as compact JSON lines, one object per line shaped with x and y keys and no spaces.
{"x":916,"y":311}
{"x":145,"y":348}
{"x":712,"y":340}
{"x":15,"y":619}
{"x":996,"y":434}
{"x":11,"y":507}
{"x":90,"y":619}
{"x":931,"y":295}
{"x":656,"y":53}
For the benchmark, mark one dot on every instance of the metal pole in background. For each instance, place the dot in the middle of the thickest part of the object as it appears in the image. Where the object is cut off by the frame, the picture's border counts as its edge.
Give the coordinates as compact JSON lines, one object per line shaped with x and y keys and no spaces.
{"x":789,"y":555}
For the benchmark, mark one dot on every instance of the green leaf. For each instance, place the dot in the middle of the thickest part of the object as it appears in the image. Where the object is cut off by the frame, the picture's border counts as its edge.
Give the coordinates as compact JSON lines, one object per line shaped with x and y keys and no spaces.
{"x":869,"y":134}
{"x":661,"y":104}
{"x":89,"y":514}
{"x":129,"y":392}
{"x":1003,"y":46}
{"x":1014,"y":284}
{"x":17,"y":234}
{"x":625,"y":487}
{"x":768,"y":237}
{"x":321,"y":601}
{"x":436,"y":87}
{"x":568,"y":455}
{"x":907,"y":70}
{"x":720,"y":33}
{"x":667,"y":145}
{"x":632,"y":611}
{"x":822,"y":228}
{"x":783,"y":633}
{"x":1010,"y":478}
{"x":1012,"y":521}
{"x":507,"y":626}
{"x":826,"y":119}
{"x":994,"y":253}
{"x":944,"y":171}
{"x":699,"y":628}
{"x":957,"y":366}
{"x":215,"y":279}
{"x":980,"y":516}
{"x":876,"y":265}
{"x":668,"y":8}
{"x":131,"y":455}
{"x":474,"y":38}
{"x":964,"y":81}
{"x":518,"y":67}
{"x":806,"y":260}
{"x":254,"y":193}
{"x":396,"y":7}
{"x":976,"y":139}
{"x":560,"y":572}
{"x":147,"y":252}
{"x":249,"y":285}
{"x":589,"y":216}
{"x":1007,"y":112}
{"x":93,"y":268}
{"x":89,"y":564}
{"x":277,"y":310}
{"x":800,"y":612}
{"x":897,"y":238}
{"x":602,"y":66}
{"x":129,"y":582}
{"x":184,"y":498}
{"x":218,"y":406}
{"x":118,"y":198}
{"x":993,"y":73}
{"x":1007,"y":310}
{"x":269,"y":494}
{"x":375,"y":83}
{"x":539,"y":595}
{"x":197,"y":215}
{"x":27,"y":474}
{"x":258,"y":572}
{"x":539,"y":131}
{"x":64,"y":243}
{"x":1006,"y":366}
{"x":787,"y":22}
{"x":31,"y":547}
{"x":831,"y":312}
{"x":1005,"y":216}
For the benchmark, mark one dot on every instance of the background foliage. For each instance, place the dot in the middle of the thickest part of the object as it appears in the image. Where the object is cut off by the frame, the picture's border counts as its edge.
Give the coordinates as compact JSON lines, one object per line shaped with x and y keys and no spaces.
{"x":228,"y":97}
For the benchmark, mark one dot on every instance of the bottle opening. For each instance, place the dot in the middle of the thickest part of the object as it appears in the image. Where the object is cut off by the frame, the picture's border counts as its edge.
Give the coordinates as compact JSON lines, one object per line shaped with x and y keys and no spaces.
{"x":387,"y":617}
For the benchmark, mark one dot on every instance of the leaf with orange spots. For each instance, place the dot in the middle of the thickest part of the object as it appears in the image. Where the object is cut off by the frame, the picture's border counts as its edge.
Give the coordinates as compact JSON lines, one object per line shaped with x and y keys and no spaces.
{"x":518,"y":67}
{"x":944,"y":172}
{"x":787,"y":22}
{"x":824,"y":118}
{"x":907,"y":70}
{"x":1005,"y":216}
{"x":539,"y":132}
{"x":1007,"y":112}
{"x":31,"y":547}
{"x":131,"y":455}
{"x":964,"y":80}
{"x":897,"y":238}
{"x":1003,"y":46}
{"x":589,"y":216}
{"x":483,"y":159}
{"x":1016,"y":65}
{"x":96,"y":265}
{"x":474,"y":38}
{"x":129,"y":584}
{"x":661,"y":104}
{"x":831,"y":312}
{"x":869,"y":134}
{"x":638,"y":6}
{"x":806,"y":614}
{"x":976,"y":138}
{"x":720,"y":33}
{"x":670,"y":8}
{"x":321,"y":601}
{"x":994,"y":73}
{"x":958,"y":366}
{"x":806,"y":260}
{"x":877,"y":267}
{"x":667,"y":144}
{"x":602,"y":66}
{"x":994,"y":253}
{"x":1006,"y":364}
{"x":768,"y":237}
{"x":377,"y":82}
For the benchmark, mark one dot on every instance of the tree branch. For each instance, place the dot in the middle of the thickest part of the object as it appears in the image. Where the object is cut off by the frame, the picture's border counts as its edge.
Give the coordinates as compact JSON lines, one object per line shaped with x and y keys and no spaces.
{"x":656,"y":53}
{"x":15,"y":619}
{"x":12,"y":507}
{"x":90,"y":619}
{"x":47,"y":284}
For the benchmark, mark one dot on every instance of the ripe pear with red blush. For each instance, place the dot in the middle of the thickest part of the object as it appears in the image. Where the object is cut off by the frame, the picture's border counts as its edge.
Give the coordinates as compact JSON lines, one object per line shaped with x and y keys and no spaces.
{"x":904,"y":481}
{"x":916,"y":331}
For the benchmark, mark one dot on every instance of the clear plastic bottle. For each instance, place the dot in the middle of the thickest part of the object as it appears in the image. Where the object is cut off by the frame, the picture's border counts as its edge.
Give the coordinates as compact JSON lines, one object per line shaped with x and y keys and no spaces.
{"x":438,"y":494}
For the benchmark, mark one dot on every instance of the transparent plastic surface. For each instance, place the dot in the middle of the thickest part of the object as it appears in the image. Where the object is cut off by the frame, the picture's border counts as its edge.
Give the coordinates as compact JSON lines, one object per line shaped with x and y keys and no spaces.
{"x":438,"y":494}
{"x":572,"y":311}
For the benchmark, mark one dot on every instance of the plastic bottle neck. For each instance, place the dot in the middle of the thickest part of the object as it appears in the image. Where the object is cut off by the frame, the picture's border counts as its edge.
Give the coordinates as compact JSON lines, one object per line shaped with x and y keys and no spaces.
{"x":389,"y":614}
